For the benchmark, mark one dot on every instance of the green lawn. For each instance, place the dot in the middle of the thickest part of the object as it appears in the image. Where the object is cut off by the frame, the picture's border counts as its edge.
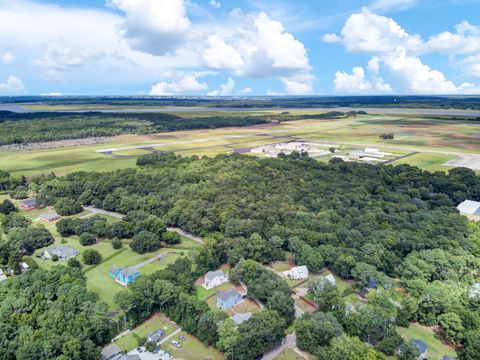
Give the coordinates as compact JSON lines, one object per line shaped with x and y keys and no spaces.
{"x":281,"y":266}
{"x":342,"y":284}
{"x":160,"y":264}
{"x":289,"y":354}
{"x":427,"y":161}
{"x":156,"y":322}
{"x":436,"y":349}
{"x":203,"y":293}
{"x":132,"y":152}
{"x":192,"y":348}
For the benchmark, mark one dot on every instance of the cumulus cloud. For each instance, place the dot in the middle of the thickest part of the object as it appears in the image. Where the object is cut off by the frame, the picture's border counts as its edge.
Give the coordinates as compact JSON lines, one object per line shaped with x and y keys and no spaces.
{"x":396,"y":56}
{"x":357,"y":83}
{"x":185,"y":83}
{"x":247,"y":90}
{"x":7,"y":58}
{"x":153,"y":26}
{"x":331,"y":38}
{"x":52,"y":94}
{"x":225,"y":89}
{"x":12,"y":85}
{"x":260,"y":48}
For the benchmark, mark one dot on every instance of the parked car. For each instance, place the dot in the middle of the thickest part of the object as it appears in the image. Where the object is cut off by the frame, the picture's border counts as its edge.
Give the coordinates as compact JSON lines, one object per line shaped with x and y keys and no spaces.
{"x":181,"y":337}
{"x":139,"y":349}
{"x":176,"y":343}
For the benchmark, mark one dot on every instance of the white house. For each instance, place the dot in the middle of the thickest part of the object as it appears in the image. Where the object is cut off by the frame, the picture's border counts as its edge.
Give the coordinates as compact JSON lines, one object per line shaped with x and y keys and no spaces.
{"x":214,"y":279}
{"x":471,"y":209}
{"x":297,"y":273}
{"x":331,"y":279}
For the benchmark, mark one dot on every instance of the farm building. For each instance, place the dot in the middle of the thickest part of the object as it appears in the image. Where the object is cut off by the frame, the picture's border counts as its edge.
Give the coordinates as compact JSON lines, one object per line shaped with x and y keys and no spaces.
{"x":62,"y":252}
{"x":241,"y":317}
{"x":124,"y":276}
{"x":471,"y":209}
{"x":29,"y":204}
{"x":228,"y":299}
{"x":214,"y":279}
{"x":50,"y":217}
{"x":297,"y":273}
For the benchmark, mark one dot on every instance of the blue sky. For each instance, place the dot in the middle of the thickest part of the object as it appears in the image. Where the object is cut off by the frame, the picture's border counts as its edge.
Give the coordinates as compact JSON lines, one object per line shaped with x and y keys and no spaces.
{"x":234,"y":47}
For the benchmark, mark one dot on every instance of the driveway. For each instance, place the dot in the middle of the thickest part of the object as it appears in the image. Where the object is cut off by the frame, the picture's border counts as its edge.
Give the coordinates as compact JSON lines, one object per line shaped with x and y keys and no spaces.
{"x":289,"y":342}
{"x":94,"y":211}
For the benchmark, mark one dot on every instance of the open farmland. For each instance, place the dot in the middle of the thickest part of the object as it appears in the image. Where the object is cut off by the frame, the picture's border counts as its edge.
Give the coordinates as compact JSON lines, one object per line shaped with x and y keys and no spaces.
{"x":437,"y":140}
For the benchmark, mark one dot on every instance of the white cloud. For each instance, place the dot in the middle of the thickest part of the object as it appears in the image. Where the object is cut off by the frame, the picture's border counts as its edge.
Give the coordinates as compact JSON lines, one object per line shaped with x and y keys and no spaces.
{"x":466,"y":40}
{"x":185,"y":83}
{"x":247,"y":90}
{"x":52,"y":94}
{"x":396,"y":57}
{"x":298,"y":85}
{"x":395,"y":5}
{"x":216,"y":4}
{"x":471,"y":66}
{"x":367,"y":32}
{"x":226,"y":89}
{"x":352,"y":83}
{"x":7,"y":58}
{"x":60,"y":57}
{"x":153,"y":26}
{"x":260,"y":47}
{"x":13,"y":84}
{"x":331,"y":38}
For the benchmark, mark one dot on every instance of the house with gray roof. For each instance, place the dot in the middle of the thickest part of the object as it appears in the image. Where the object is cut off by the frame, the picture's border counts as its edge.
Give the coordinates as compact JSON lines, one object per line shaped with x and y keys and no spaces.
{"x":228,"y":299}
{"x":214,"y":279}
{"x":124,"y":276}
{"x":62,"y":252}
{"x":50,"y":217}
{"x":111,"y":352}
{"x":29,"y":204}
{"x":241,"y":317}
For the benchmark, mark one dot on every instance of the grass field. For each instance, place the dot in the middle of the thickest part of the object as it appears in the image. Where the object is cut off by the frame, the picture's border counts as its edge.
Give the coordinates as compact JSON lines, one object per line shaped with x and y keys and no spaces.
{"x":436,"y":349}
{"x":435,"y":138}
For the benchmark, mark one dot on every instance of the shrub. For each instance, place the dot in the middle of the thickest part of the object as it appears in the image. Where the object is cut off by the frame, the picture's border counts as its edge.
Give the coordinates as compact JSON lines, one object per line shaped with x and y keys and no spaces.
{"x":74,"y":263}
{"x":116,"y":243}
{"x":171,"y":237}
{"x":91,"y":257}
{"x":145,"y":241}
{"x":87,"y":239}
{"x":67,"y":206}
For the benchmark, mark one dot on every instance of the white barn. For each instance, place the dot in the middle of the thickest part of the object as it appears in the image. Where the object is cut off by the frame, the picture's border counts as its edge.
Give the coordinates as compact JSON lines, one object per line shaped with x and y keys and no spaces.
{"x":214,"y":279}
{"x":471,"y":209}
{"x":297,"y":273}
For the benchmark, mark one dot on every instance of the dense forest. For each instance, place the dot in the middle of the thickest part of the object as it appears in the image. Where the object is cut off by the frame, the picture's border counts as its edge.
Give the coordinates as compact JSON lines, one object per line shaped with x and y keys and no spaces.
{"x":21,"y":128}
{"x":426,"y":102}
{"x":48,"y":315}
{"x":398,"y":225}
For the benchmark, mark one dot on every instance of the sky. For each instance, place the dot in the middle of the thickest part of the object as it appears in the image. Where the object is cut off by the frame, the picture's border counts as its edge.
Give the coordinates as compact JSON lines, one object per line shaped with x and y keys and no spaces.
{"x":239,"y":47}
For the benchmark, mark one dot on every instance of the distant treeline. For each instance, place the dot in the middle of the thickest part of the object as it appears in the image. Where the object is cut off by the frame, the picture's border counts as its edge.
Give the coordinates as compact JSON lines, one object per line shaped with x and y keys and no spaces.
{"x":419,"y":102}
{"x":20,"y":128}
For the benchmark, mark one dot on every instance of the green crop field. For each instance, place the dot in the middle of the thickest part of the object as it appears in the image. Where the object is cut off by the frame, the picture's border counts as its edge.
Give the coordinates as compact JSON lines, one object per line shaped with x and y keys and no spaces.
{"x":437,"y":139}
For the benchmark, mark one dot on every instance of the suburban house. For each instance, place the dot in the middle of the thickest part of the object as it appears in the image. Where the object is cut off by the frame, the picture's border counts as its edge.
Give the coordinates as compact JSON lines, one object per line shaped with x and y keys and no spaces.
{"x":29,"y":204}
{"x":474,"y":291}
{"x":124,"y":276}
{"x":422,"y":347}
{"x":156,"y":336}
{"x":214,"y":279}
{"x":50,"y":217}
{"x":62,"y":252}
{"x":331,"y":279}
{"x":228,"y":299}
{"x":297,"y":273}
{"x":130,"y":357}
{"x":446,"y":357}
{"x":3,"y":277}
{"x":241,"y":317}
{"x":24,"y":266}
{"x":111,"y":352}
{"x":470,"y":209}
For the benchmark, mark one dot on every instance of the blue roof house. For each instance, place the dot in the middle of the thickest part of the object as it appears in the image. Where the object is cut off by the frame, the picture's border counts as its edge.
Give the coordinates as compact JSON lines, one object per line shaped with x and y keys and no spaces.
{"x":422,"y":347}
{"x":228,"y":299}
{"x":124,"y":276}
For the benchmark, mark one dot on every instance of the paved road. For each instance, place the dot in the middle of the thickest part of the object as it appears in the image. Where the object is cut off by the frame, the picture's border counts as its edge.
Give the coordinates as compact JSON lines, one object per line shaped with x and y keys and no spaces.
{"x":94,"y":211}
{"x":152,"y":259}
{"x":170,"y":336}
{"x":290,"y":340}
{"x":186,"y":234}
